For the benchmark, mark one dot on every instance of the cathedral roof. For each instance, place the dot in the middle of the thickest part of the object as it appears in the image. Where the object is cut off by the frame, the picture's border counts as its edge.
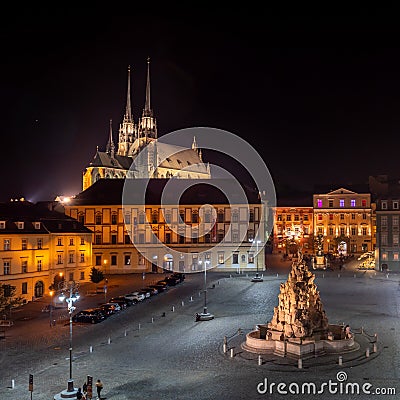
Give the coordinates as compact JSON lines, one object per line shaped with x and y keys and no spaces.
{"x":103,"y":159}
{"x":193,"y":191}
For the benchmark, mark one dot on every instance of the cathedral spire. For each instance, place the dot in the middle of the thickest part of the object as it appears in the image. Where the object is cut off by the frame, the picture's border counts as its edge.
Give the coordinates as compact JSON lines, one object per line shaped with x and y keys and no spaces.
{"x":110,"y":149}
{"x":128,"y":110}
{"x":147,"y":108}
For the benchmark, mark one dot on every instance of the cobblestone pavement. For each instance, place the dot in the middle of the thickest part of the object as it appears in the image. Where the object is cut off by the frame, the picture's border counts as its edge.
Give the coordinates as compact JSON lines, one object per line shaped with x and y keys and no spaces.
{"x":140,"y":354}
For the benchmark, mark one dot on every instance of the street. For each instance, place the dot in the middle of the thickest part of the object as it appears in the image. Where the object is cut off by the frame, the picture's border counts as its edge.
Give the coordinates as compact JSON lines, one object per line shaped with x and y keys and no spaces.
{"x":139,"y":354}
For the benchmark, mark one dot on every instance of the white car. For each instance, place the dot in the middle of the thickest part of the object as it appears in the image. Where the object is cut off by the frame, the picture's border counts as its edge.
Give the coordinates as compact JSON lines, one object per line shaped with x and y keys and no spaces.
{"x":366,"y":255}
{"x":135,"y":296}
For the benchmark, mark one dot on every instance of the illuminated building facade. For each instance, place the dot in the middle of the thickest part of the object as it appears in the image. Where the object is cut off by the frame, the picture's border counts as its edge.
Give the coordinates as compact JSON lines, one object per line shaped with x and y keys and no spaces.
{"x":162,"y":160}
{"x":36,"y":244}
{"x":203,"y":229}
{"x":345,"y":219}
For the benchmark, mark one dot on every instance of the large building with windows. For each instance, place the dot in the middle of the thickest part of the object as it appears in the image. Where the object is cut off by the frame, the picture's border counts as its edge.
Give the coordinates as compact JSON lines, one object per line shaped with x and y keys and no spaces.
{"x":345,"y":219}
{"x":201,"y":230}
{"x":38,"y":243}
{"x":159,"y":160}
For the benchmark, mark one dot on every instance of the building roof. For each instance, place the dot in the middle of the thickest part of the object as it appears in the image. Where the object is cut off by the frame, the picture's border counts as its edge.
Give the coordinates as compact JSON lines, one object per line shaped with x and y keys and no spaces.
{"x":103,"y":159}
{"x":29,"y":213}
{"x":165,"y":191}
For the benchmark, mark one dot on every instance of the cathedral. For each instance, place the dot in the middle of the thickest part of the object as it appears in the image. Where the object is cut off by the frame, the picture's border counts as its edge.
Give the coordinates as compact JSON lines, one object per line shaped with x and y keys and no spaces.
{"x":157,"y":160}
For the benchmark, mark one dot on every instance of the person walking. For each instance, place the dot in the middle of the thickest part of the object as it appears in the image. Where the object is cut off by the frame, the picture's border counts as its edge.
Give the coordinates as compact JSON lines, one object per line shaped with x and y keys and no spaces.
{"x":84,"y":388}
{"x":99,"y":387}
{"x":79,"y":394}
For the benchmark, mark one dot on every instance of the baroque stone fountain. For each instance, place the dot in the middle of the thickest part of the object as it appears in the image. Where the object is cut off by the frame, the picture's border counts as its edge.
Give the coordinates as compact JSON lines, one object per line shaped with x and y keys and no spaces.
{"x":299,"y":326}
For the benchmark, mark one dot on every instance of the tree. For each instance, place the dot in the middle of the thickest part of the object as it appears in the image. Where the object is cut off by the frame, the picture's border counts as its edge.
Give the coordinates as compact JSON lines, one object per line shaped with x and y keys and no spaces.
{"x":56,"y":282}
{"x":8,"y":298}
{"x":96,"y":275}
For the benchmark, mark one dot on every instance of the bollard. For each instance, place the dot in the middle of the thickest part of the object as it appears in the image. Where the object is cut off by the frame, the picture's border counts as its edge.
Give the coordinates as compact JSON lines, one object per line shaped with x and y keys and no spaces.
{"x":173,"y":309}
{"x":247,"y":275}
{"x":354,"y":275}
{"x":387,"y":276}
{"x":262,"y":275}
{"x":191,"y":298}
{"x":218,"y":282}
{"x":376,"y":337}
{"x":109,"y":340}
{"x":338,"y":275}
{"x":277,"y":275}
{"x":323,"y":275}
{"x":232,"y":353}
{"x":230,"y":276}
{"x":362,"y":330}
{"x":375,"y":349}
{"x":183,"y":303}
{"x":139,"y":326}
{"x":300,"y":363}
{"x":125,"y":333}
{"x":340,"y":360}
{"x":259,"y":360}
{"x":91,"y":349}
{"x":199,"y":294}
{"x":367,"y":353}
{"x":152,"y":319}
{"x":12,"y":384}
{"x":224,"y":348}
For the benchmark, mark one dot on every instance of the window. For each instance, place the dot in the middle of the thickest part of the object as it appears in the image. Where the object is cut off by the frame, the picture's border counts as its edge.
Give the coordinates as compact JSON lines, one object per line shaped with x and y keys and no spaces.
{"x":24,"y":266}
{"x":207,"y":217}
{"x":71,"y":276}
{"x":319,"y":216}
{"x":207,"y":238}
{"x":297,"y":217}
{"x":141,"y":218}
{"x":395,"y":256}
{"x":24,"y":288}
{"x":353,"y":231}
{"x":98,"y":260}
{"x":168,"y":217}
{"x":384,"y":238}
{"x":97,"y":239}
{"x":2,"y":225}
{"x":59,"y":259}
{"x":39,"y":265}
{"x":98,"y":219}
{"x":235,"y":217}
{"x":127,"y":239}
{"x":113,"y":259}
{"x":20,"y":225}
{"x":221,"y":257}
{"x":59,"y":242}
{"x":7,"y":267}
{"x":251,"y":216}
{"x":364,"y":231}
{"x":251,"y":258}
{"x":154,"y":217}
{"x":220,"y":237}
{"x":181,"y":217}
{"x":331,"y":216}
{"x":395,"y":240}
{"x":113,"y":219}
{"x":288,"y":217}
{"x":71,"y":258}
{"x":71,"y":241}
{"x":82,"y":258}
{"x":352,"y":203}
{"x":384,"y":204}
{"x":235,"y":258}
{"x":37,"y":225}
{"x":279,"y":217}
{"x":331,"y":230}
{"x":341,"y":216}
{"x":81,"y":219}
{"x":39,"y":243}
{"x":330,"y":203}
{"x":7,"y":244}
{"x":320,"y":229}
{"x":384,"y":220}
{"x":395,"y":205}
{"x":305,"y":217}
{"x":341,"y":203}
{"x":82,"y":277}
{"x":342,"y":231}
{"x":395,"y":221}
{"x":235,"y":237}
{"x":82,"y":241}
{"x":127,"y":259}
{"x":220,"y":216}
{"x":364,"y":203}
{"x":24,"y":244}
{"x":364,"y":216}
{"x":168,"y":237}
{"x":305,"y":230}
{"x":113,"y":239}
{"x":141,"y":238}
{"x":195,"y":217}
{"x":353,"y":216}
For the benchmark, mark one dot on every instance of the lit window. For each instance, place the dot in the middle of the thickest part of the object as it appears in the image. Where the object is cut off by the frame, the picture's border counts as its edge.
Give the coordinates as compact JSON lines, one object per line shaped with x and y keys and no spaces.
{"x":364,"y":203}
{"x":39,"y":265}
{"x":352,"y":203}
{"x":395,"y":205}
{"x":39,"y":243}
{"x":127,"y":259}
{"x":384,"y":220}
{"x":384,"y":204}
{"x":24,"y":244}
{"x":59,"y":259}
{"x":7,"y":267}
{"x":59,"y":242}
{"x":341,"y":203}
{"x":221,"y":257}
{"x":2,"y":225}
{"x":20,"y":225}
{"x":71,"y":258}
{"x":7,"y":244}
{"x":319,"y":203}
{"x":24,"y":266}
{"x":71,"y":241}
{"x":251,"y":258}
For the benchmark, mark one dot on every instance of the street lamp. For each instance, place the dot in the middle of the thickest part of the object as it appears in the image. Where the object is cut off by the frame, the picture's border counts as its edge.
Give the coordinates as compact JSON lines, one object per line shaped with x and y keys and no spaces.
{"x":205,"y":315}
{"x":51,"y":308}
{"x":69,"y":293}
{"x":256,"y":278}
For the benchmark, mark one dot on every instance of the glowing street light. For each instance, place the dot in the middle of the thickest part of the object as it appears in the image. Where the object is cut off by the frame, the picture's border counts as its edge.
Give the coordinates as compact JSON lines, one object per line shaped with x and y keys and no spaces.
{"x":256,"y":278}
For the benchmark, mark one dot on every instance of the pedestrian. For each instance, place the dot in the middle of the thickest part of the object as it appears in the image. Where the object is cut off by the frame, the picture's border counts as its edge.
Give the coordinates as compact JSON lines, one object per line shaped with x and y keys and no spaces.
{"x":84,"y":388}
{"x":99,"y":387}
{"x":79,"y":394}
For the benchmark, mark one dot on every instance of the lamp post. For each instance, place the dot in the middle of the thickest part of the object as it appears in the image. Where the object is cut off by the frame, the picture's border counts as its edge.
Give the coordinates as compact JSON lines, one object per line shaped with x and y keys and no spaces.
{"x":205,"y":315}
{"x":51,"y":308}
{"x":69,"y":293}
{"x":256,"y":278}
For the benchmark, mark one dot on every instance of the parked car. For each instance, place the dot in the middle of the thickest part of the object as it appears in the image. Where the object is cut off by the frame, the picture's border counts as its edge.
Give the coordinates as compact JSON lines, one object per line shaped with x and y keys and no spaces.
{"x":180,"y":275}
{"x":151,"y":289}
{"x":172,"y":280}
{"x":135,"y":296}
{"x":145,"y":292}
{"x":110,"y":308}
{"x":159,"y":287}
{"x":122,"y":301}
{"x":90,"y":315}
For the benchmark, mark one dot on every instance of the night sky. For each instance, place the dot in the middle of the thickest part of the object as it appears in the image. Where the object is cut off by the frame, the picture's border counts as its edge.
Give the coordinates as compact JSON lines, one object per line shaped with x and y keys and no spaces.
{"x":317,"y":97}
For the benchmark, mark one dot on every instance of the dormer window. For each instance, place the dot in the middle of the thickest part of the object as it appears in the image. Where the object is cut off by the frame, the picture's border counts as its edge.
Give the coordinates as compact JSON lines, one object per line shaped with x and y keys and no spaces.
{"x":20,"y":225}
{"x":168,"y":159}
{"x":37,"y":225}
{"x":2,"y":224}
